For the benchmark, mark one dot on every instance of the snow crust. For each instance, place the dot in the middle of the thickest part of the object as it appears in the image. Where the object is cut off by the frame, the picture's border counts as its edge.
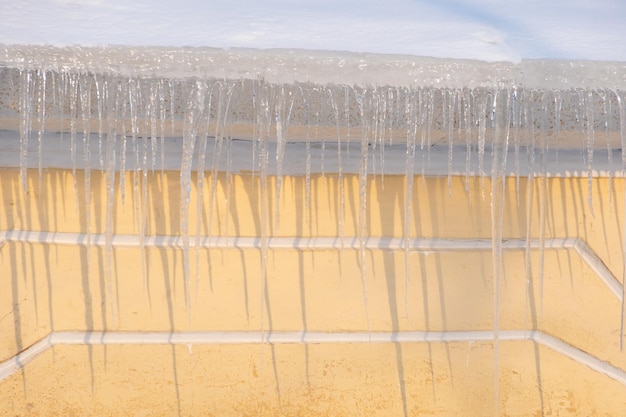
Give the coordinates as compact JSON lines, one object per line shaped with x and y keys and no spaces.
{"x":488,"y":30}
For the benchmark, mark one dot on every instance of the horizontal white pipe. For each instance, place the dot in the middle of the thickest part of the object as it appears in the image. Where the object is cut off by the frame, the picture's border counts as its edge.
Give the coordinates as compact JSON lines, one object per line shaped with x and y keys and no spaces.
{"x":19,"y":361}
{"x":160,"y":338}
{"x":333,"y":243}
{"x":299,"y":243}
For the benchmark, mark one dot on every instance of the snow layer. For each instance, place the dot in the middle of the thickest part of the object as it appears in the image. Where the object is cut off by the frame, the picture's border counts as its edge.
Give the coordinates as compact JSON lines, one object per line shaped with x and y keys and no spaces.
{"x":487,"y":30}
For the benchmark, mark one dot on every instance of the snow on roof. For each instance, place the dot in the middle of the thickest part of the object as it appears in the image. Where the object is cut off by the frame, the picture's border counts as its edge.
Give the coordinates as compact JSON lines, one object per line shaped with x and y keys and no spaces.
{"x":488,"y":30}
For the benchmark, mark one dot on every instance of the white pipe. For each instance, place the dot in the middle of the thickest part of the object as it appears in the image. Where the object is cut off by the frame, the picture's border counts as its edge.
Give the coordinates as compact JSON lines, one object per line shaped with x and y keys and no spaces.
{"x":19,"y":361}
{"x":580,"y":356}
{"x":335,"y":243}
{"x":299,"y":243}
{"x":595,"y":263}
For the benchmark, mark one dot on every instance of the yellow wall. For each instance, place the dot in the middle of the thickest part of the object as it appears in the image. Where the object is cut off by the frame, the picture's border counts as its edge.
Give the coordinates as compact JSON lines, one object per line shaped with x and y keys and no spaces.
{"x":54,"y":288}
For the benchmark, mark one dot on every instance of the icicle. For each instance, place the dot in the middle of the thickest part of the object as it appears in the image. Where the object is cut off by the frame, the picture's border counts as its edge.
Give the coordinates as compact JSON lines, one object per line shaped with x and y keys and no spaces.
{"x":501,"y":123}
{"x":543,"y":190}
{"x":323,"y":150}
{"x":430,"y":123}
{"x":73,"y":87}
{"x":255,"y":129}
{"x":172,"y":106}
{"x":449,"y":106}
{"x":124,"y":111}
{"x":85,"y":87}
{"x":226,"y":129}
{"x":375,"y":129}
{"x":346,"y":113}
{"x":152,"y":114}
{"x":85,"y":97}
{"x":341,"y":214}
{"x":307,"y":164}
{"x":99,"y":104}
{"x":135,"y":104}
{"x":190,"y":133}
{"x":229,"y":172}
{"x":42,"y":119}
{"x":482,"y":129}
{"x":590,"y":148}
{"x":530,"y":186}
{"x":200,"y":168}
{"x":621,"y":108}
{"x":25,"y":128}
{"x":515,"y":109}
{"x":111,"y":140}
{"x":279,"y":118}
{"x":411,"y":138}
{"x":363,"y":179}
{"x":264,"y":124}
{"x":392,"y":97}
{"x":467,"y":102}
{"x":161,"y":102}
{"x":607,"y":117}
{"x":422,"y":104}
{"x":220,"y":123}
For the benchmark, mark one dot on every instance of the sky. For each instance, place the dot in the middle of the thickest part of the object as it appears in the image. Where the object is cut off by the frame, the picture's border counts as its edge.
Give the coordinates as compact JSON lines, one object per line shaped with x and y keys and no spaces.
{"x":487,"y":30}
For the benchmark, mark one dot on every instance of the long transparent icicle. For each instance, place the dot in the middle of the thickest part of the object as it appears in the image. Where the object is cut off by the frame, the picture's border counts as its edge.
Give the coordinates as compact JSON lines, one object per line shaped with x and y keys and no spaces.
{"x":528,"y":120}
{"x":264,"y":125}
{"x":621,"y":103}
{"x":342,"y":200}
{"x":465,"y":116}
{"x":449,"y":106}
{"x":99,"y":103}
{"x":41,"y":99}
{"x":221,"y":121}
{"x":589,"y":107}
{"x":543,"y":190}
{"x":200,"y":168}
{"x":411,"y":138}
{"x":190,"y":133}
{"x":363,"y":180}
{"x":123,"y":91}
{"x":72,"y":80}
{"x":85,"y":95}
{"x":112,"y":102}
{"x":482,"y":134}
{"x":501,"y":120}
{"x":25,"y":128}
{"x":282,"y":124}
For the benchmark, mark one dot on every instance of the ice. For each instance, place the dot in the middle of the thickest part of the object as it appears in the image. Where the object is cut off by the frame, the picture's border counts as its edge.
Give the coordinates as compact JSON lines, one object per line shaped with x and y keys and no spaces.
{"x":263,"y":123}
{"x":501,"y":119}
{"x":448,"y":114}
{"x":200,"y":169}
{"x":195,"y":112}
{"x":363,"y":183}
{"x":111,"y":98}
{"x":25,"y":126}
{"x":307,"y":164}
{"x":591,"y":140}
{"x":41,"y":104}
{"x":621,"y":103}
{"x":342,"y":198}
{"x":543,"y":190}
{"x":282,"y":124}
{"x":411,"y":137}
